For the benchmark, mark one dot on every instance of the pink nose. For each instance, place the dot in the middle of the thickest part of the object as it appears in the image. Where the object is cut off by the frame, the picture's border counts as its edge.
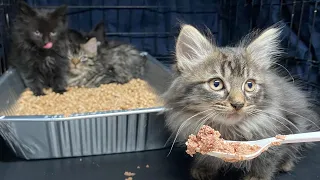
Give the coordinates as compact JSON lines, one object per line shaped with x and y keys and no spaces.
{"x":48,"y":45}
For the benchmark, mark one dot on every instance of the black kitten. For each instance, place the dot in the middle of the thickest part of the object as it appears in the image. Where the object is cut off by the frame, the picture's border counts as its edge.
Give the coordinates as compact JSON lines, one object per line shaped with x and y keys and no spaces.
{"x":39,"y":48}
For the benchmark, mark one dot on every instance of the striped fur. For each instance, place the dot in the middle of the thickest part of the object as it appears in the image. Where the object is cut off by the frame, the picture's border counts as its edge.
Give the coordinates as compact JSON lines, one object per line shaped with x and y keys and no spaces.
{"x":102,"y":62}
{"x":276,"y":106}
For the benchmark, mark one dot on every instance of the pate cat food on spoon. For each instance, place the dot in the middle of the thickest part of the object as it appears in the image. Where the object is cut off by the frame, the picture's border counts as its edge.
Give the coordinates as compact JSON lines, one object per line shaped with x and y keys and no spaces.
{"x":208,"y":142}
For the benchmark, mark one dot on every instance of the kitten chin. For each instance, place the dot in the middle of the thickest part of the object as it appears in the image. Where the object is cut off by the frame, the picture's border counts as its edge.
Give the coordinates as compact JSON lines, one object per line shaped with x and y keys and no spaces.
{"x":236,"y":91}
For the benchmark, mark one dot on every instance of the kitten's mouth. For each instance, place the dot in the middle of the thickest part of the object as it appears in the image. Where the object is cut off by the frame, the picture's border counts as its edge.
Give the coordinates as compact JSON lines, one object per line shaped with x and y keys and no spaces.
{"x":75,"y":71}
{"x":48,"y":45}
{"x":234,"y":116}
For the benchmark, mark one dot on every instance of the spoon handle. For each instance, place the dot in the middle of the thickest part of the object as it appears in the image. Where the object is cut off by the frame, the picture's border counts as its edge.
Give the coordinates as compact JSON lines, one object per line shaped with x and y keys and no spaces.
{"x":302,"y":137}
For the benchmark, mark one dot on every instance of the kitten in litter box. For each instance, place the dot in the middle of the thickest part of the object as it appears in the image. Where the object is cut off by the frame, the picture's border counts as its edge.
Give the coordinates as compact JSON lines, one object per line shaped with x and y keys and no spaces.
{"x":95,"y":61}
{"x":85,"y":70}
{"x":236,"y":91}
{"x":39,"y":48}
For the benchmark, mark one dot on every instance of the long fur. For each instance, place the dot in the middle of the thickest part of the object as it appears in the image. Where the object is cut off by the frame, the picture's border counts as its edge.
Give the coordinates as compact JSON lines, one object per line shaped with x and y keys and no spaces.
{"x":114,"y":62}
{"x":276,"y":106}
{"x":40,"y":68}
{"x":85,"y":70}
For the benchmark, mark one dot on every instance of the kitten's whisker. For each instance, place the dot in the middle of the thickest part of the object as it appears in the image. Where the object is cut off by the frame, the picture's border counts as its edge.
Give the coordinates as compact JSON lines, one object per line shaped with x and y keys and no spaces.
{"x":206,"y":120}
{"x":272,"y":118}
{"x":222,"y":111}
{"x":299,"y":116}
{"x":204,"y":117}
{"x":261,"y":113}
{"x":236,"y":130}
{"x":258,"y":128}
{"x":182,"y":126}
{"x":183,"y":106}
{"x":285,"y":70}
{"x":220,"y":106}
{"x":283,"y":119}
{"x":212,"y":118}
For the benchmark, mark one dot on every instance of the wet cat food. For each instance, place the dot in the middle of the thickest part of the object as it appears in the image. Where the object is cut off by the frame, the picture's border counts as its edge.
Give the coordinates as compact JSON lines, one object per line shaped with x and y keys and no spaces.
{"x":281,"y":137}
{"x":208,"y":140}
{"x":132,"y":95}
{"x":129,"y":173}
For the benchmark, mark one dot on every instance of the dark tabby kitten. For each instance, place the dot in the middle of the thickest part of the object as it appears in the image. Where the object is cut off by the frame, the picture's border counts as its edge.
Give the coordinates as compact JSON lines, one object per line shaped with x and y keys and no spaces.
{"x":97,"y":61}
{"x":39,"y":48}
{"x":85,"y":70}
{"x":236,"y":91}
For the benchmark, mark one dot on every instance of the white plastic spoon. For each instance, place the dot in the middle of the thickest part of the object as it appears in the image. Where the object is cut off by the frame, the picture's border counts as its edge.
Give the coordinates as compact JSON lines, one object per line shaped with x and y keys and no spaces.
{"x":266,"y":143}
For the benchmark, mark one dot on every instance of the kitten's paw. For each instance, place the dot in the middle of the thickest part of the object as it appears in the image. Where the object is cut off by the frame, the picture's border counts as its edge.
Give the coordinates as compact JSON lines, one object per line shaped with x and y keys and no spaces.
{"x":39,"y":93}
{"x":201,"y":173}
{"x":60,"y":91}
{"x":251,"y":177}
{"x":287,"y":166}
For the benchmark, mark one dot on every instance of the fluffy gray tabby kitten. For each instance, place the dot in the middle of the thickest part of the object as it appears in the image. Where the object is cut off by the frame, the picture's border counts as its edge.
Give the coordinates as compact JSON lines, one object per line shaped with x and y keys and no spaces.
{"x":84,"y":68}
{"x":96,"y":62}
{"x":236,"y":91}
{"x":122,"y":62}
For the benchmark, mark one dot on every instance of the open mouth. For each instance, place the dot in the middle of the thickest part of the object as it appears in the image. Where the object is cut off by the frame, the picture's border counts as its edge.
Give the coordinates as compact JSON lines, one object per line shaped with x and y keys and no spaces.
{"x":48,"y":45}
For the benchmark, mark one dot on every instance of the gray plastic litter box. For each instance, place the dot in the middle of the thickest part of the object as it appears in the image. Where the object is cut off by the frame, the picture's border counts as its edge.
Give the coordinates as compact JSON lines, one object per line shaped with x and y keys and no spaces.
{"x":42,"y":137}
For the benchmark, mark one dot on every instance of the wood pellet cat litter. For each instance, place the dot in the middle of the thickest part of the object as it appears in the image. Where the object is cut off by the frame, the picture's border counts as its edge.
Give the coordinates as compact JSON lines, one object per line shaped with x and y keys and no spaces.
{"x":132,"y":95}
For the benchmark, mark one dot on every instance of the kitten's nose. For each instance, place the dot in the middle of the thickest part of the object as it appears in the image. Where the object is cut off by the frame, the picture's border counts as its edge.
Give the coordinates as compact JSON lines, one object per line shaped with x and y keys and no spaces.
{"x":75,"y":61}
{"x":237,"y":106}
{"x":46,"y":40}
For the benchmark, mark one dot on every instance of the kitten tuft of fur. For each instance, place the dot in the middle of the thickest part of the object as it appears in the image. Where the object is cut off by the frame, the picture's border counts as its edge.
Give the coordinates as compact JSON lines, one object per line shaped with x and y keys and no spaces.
{"x":111,"y":62}
{"x":236,"y":91}
{"x":39,"y":48}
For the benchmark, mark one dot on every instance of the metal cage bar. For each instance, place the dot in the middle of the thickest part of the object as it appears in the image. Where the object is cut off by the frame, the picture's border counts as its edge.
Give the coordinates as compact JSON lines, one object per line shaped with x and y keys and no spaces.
{"x":5,"y":14}
{"x":221,"y":17}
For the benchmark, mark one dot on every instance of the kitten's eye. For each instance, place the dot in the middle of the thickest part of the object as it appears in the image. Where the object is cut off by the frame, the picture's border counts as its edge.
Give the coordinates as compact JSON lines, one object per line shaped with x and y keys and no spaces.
{"x":250,"y":86}
{"x":53,"y":33}
{"x":37,"y":33}
{"x":83,"y":59}
{"x":216,"y":84}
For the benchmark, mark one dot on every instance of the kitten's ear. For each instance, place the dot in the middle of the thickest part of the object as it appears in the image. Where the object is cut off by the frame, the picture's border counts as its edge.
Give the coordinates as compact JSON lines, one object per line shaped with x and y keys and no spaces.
{"x":25,"y":9}
{"x":61,"y":11}
{"x":191,"y":47}
{"x":91,"y":46}
{"x":98,"y":32}
{"x":264,"y":49}
{"x":76,"y":36}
